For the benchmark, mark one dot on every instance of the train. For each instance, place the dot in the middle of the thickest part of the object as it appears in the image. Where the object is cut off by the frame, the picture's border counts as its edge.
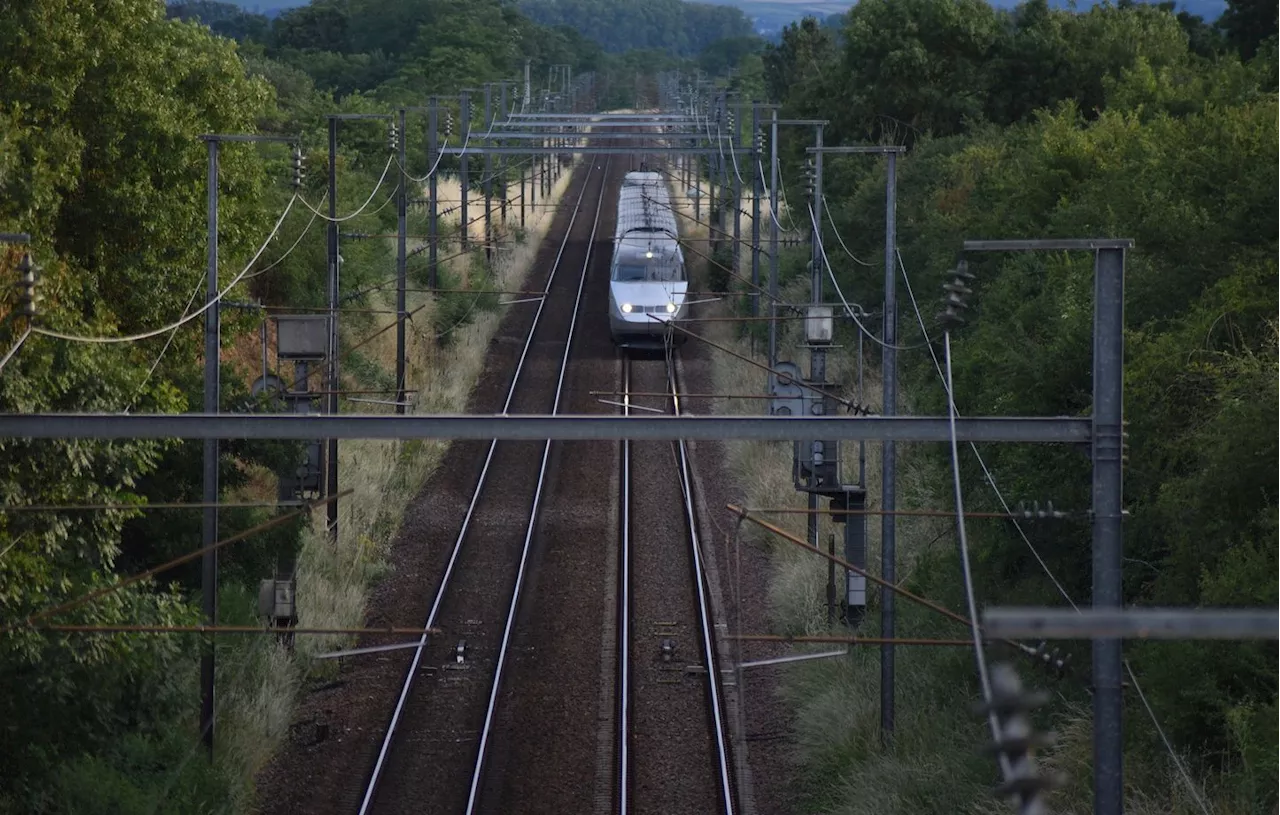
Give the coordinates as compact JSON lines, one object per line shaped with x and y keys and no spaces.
{"x":648,"y":284}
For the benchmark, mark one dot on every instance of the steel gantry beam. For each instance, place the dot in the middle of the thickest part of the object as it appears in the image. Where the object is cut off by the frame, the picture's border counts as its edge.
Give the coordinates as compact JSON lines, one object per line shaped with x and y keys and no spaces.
{"x":592,"y":126}
{"x":575,"y":148}
{"x":1133,"y":623}
{"x":630,"y":134}
{"x":1060,"y":430}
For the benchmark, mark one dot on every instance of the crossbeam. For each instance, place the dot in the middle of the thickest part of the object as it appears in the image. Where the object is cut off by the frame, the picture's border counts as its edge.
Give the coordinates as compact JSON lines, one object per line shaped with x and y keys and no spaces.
{"x":537,"y":427}
{"x":503,"y":136}
{"x":576,"y":148}
{"x":592,"y":125}
{"x":590,"y":117}
{"x":1133,"y":623}
{"x":1051,"y":244}
{"x":857,"y":149}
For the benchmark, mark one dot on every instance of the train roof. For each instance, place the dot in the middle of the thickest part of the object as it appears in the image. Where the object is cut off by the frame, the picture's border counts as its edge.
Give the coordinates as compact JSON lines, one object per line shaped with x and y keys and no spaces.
{"x":644,"y":206}
{"x":641,"y":177}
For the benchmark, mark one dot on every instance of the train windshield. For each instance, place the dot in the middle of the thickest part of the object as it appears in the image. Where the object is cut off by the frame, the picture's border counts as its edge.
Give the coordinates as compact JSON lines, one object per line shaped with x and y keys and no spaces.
{"x":648,"y":273}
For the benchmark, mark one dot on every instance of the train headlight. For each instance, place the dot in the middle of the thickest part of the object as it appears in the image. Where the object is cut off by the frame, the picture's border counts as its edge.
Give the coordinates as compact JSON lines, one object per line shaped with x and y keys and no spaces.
{"x":671,"y":308}
{"x":626,"y":308}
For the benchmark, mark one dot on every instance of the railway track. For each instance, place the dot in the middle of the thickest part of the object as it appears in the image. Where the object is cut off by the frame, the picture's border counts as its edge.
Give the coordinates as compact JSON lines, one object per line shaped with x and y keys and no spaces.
{"x":560,"y":585}
{"x":433,"y":755}
{"x":673,"y":745}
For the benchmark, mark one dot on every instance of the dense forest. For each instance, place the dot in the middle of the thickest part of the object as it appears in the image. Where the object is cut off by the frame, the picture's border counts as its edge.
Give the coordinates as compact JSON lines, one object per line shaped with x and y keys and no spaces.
{"x":1125,"y":121}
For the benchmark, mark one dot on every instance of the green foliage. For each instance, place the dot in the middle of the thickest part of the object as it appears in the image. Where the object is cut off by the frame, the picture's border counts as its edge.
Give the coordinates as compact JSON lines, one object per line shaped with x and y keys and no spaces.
{"x":914,"y":67}
{"x":224,"y":19}
{"x":1112,"y":122}
{"x":1249,"y":24}
{"x":100,"y":115}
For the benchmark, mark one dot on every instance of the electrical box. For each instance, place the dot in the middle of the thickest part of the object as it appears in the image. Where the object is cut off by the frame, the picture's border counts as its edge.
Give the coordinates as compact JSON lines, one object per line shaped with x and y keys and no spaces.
{"x":819,"y":328}
{"x":302,"y":336}
{"x":276,"y":601}
{"x":847,"y":509}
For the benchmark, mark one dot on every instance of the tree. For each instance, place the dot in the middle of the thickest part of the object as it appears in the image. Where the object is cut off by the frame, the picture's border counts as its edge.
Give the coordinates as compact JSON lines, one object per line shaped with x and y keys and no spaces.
{"x":1249,"y":23}
{"x":916,"y":66}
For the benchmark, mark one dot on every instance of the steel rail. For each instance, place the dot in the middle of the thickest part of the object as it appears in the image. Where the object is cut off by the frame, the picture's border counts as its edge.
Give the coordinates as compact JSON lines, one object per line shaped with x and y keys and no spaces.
{"x":385,"y":749}
{"x":704,"y":604}
{"x":624,"y":608}
{"x":485,"y":731}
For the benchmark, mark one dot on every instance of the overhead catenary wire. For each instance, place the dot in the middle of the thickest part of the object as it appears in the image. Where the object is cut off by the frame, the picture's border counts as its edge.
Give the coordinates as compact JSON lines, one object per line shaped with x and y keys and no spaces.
{"x":288,"y":251}
{"x":826,"y":206}
{"x":966,"y":571}
{"x":188,"y":318}
{"x":9,"y":354}
{"x":822,"y":252}
{"x":363,"y":206}
{"x":196,"y":292}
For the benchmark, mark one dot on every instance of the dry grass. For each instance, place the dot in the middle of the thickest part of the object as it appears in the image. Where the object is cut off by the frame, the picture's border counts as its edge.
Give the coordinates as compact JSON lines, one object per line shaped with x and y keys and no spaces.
{"x":261,"y":682}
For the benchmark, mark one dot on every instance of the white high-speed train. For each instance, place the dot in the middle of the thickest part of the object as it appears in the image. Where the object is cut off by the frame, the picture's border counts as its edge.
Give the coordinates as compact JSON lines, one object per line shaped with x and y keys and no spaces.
{"x":647,"y":280}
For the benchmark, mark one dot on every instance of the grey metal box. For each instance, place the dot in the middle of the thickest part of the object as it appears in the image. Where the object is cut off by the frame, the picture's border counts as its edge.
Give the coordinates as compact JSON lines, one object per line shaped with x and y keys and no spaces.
{"x":302,"y":336}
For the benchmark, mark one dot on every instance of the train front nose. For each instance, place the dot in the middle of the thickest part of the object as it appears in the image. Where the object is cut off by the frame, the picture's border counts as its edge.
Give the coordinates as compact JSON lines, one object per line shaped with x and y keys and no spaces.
{"x":643,"y":310}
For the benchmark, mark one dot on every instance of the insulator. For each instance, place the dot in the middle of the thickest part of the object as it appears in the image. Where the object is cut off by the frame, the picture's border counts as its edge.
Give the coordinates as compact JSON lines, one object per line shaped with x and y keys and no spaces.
{"x":954,"y":303}
{"x":297,"y":167}
{"x":1017,"y":740}
{"x":393,"y":136}
{"x":27,"y":283}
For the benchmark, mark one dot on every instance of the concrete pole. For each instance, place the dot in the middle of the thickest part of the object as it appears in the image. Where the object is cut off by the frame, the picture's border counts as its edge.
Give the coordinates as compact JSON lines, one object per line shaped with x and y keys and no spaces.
{"x":817,"y":355}
{"x":331,"y":481}
{"x":773,"y":240}
{"x":209,"y":526}
{"x":433,"y":195}
{"x":755,"y":211}
{"x":402,"y":218}
{"x":488,"y":179}
{"x":1108,"y":542}
{"x":464,"y":115}
{"x":737,"y":202}
{"x":815,"y":273}
{"x":888,"y":466}
{"x":504,"y":114}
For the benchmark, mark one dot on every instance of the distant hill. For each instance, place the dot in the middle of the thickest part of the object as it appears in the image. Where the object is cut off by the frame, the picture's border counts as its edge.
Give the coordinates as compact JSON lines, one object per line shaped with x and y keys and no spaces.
{"x":769,"y":17}
{"x":269,"y":8}
{"x":680,"y":28}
